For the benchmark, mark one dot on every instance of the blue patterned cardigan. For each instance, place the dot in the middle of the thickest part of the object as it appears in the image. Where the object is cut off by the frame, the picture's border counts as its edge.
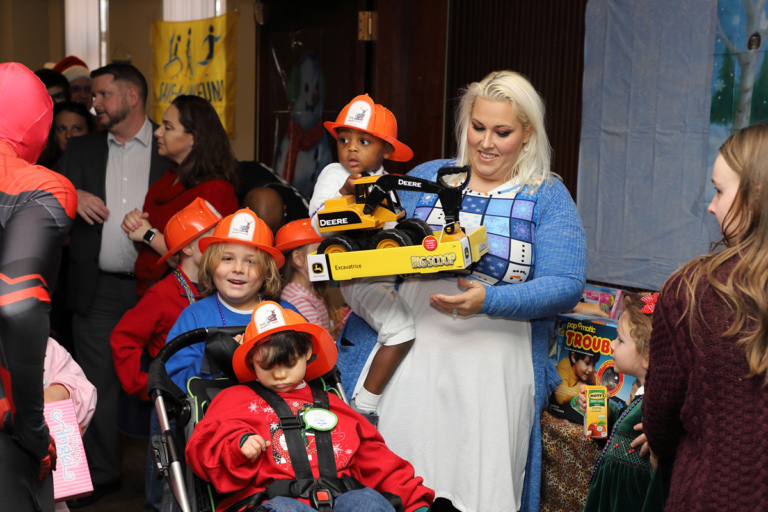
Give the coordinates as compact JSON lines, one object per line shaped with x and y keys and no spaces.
{"x":555,"y":286}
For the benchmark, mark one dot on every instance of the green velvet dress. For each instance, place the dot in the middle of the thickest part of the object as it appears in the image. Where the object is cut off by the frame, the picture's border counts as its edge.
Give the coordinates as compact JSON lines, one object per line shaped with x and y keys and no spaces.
{"x":622,"y":480}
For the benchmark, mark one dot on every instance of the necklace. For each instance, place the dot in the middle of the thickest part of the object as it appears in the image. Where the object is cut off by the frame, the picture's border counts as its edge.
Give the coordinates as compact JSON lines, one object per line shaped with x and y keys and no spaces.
{"x":184,"y":284}
{"x":221,"y":312}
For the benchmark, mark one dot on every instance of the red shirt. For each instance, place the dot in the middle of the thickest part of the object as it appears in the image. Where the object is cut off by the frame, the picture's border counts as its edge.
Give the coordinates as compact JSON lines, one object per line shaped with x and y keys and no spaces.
{"x":147,"y":325}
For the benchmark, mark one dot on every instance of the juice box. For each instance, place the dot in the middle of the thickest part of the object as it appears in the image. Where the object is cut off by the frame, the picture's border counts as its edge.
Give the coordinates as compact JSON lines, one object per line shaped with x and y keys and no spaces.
{"x":596,"y":415}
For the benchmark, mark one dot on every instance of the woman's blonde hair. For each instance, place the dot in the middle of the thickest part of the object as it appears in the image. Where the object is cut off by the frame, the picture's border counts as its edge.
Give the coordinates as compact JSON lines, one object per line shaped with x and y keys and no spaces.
{"x":265,"y":267}
{"x":516,"y":90}
{"x":745,"y":290}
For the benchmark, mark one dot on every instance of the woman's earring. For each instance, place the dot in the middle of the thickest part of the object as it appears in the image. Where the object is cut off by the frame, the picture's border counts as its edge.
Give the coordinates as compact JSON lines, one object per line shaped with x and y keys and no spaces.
{"x":525,"y":148}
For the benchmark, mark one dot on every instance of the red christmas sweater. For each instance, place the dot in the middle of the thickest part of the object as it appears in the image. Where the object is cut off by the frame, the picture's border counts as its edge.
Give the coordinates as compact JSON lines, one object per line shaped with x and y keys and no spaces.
{"x":213,"y":451}
{"x":147,"y":325}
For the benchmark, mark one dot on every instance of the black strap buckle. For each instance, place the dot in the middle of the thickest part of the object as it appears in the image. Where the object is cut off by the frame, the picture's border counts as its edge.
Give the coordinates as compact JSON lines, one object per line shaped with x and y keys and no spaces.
{"x":290,"y":422}
{"x":321,"y":498}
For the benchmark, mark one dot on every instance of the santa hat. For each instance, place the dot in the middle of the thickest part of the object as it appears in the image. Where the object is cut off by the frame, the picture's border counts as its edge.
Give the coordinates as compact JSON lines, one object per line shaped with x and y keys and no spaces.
{"x":72,"y":68}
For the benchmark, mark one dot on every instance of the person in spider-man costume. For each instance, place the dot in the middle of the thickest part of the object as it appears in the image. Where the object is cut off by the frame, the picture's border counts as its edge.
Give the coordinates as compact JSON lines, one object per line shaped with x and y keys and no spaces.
{"x":37,"y":207}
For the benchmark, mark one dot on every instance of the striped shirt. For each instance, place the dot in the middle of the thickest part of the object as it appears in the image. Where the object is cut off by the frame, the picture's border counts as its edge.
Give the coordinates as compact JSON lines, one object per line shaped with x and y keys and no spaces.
{"x":309,"y":305}
{"x":127,"y":183}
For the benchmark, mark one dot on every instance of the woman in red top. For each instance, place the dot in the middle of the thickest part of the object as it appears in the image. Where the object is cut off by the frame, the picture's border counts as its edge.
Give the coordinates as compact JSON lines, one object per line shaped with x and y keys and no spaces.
{"x":192,"y":136}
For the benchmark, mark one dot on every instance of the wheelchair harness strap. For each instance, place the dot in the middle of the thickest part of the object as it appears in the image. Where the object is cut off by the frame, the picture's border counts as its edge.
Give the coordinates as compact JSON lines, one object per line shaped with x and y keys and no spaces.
{"x":322,"y":491}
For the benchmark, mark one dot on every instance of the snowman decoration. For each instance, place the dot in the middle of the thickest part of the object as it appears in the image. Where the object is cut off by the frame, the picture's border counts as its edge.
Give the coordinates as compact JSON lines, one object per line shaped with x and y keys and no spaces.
{"x":304,"y":150}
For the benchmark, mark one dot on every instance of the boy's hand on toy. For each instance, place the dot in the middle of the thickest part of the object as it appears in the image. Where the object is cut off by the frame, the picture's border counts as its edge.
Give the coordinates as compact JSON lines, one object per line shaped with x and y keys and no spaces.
{"x":582,"y":398}
{"x":641,"y":441}
{"x":349,"y":186}
{"x":466,"y":303}
{"x":253,"y":446}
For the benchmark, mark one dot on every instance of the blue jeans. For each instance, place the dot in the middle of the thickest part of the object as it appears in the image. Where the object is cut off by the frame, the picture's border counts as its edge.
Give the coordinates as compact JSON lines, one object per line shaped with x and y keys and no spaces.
{"x":353,"y":501}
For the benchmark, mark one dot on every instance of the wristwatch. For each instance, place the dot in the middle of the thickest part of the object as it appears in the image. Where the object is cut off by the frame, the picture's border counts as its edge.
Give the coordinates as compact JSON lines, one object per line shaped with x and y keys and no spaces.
{"x":150,"y":235}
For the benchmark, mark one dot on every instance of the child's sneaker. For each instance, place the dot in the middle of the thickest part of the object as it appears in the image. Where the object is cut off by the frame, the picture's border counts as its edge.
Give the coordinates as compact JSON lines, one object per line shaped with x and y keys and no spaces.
{"x":371,"y":416}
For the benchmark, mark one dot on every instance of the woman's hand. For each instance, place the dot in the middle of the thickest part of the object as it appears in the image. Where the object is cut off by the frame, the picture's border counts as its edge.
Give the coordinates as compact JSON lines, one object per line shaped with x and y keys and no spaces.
{"x":134,"y":220}
{"x":466,"y":303}
{"x":253,"y":446}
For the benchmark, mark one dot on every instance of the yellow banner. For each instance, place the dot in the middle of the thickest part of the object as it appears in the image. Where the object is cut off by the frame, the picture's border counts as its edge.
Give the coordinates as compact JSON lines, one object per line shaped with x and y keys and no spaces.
{"x":195,"y":58}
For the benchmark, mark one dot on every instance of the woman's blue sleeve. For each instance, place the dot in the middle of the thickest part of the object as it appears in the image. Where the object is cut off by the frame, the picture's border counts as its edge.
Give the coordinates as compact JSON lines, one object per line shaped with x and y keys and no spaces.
{"x":560,"y":258}
{"x":185,"y":363}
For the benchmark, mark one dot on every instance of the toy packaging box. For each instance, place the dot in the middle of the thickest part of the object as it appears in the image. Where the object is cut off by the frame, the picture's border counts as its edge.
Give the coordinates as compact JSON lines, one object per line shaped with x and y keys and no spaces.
{"x":71,"y":479}
{"x":583,"y":357}
{"x":610,"y":300}
{"x":433,"y":255}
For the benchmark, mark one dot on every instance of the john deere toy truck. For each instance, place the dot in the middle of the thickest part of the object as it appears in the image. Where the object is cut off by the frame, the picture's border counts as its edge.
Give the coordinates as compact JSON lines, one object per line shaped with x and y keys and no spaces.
{"x":374,"y":219}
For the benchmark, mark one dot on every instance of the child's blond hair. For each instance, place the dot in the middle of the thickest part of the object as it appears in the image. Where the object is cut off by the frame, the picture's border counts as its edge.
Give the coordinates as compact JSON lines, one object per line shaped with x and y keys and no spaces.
{"x":265,"y":267}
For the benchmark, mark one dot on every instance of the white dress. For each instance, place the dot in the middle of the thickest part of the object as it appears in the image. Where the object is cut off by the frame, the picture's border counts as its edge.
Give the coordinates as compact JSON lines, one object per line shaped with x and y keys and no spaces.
{"x":464,"y":401}
{"x":452,"y":377}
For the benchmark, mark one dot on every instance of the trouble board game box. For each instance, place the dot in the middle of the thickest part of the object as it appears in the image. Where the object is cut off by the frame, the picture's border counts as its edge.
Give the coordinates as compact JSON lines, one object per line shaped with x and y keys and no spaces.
{"x":583,"y":356}
{"x":71,"y":479}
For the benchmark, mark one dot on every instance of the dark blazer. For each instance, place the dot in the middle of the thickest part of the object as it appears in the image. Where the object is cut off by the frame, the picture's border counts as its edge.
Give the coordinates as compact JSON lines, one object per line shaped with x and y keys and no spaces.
{"x":85,"y":164}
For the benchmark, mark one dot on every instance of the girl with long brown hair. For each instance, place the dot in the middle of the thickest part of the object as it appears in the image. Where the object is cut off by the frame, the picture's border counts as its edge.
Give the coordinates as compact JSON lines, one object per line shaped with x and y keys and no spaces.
{"x":707,"y":383}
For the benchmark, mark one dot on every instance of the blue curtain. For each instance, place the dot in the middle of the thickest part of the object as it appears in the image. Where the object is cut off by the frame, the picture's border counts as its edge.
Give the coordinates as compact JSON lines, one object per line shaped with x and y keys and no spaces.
{"x":644,"y":182}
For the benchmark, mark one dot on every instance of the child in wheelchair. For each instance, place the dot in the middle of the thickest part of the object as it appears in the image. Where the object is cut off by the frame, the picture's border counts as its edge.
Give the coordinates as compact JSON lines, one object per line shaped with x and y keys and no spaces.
{"x":276,"y":443}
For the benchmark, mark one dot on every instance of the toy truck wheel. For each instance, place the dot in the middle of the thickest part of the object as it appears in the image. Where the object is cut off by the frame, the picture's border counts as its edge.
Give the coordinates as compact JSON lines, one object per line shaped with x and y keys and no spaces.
{"x":336,"y":245}
{"x":417,"y":229}
{"x":390,"y":239}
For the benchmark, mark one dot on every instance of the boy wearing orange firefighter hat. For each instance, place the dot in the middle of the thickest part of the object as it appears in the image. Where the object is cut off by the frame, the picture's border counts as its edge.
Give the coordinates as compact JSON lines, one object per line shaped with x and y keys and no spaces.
{"x":146,"y":326}
{"x":366,"y":135}
{"x":243,"y":444}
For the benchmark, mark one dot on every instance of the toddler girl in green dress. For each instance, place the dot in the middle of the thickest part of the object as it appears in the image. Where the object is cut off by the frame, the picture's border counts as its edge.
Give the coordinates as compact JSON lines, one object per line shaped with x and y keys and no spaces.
{"x":623,"y":480}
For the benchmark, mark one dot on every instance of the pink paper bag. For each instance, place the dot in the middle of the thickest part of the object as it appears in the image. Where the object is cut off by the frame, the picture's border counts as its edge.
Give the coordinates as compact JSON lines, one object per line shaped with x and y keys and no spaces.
{"x":72,"y":479}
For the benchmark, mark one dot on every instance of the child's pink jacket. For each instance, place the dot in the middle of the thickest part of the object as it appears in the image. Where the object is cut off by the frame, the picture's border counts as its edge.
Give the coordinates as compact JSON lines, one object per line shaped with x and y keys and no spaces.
{"x":60,"y":368}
